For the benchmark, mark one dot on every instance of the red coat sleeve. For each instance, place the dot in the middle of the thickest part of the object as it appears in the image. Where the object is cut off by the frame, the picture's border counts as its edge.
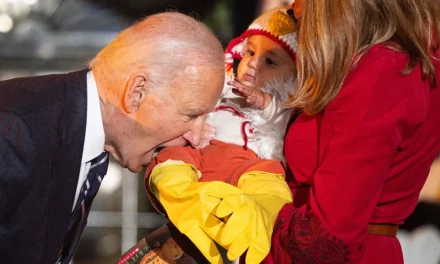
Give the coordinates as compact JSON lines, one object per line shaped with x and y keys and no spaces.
{"x":359,"y":132}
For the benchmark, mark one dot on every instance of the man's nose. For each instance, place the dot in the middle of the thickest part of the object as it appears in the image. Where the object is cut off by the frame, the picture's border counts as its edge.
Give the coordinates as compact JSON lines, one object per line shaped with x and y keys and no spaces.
{"x":193,"y":136}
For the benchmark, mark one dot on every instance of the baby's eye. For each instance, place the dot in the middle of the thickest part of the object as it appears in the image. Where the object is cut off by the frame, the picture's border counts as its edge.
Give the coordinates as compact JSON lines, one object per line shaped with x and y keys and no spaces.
{"x":270,"y":62}
{"x":250,"y":52}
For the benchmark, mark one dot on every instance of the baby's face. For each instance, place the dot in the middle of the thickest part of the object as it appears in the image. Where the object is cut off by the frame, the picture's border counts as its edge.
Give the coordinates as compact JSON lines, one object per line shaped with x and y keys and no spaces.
{"x":264,"y":60}
{"x":298,"y":8}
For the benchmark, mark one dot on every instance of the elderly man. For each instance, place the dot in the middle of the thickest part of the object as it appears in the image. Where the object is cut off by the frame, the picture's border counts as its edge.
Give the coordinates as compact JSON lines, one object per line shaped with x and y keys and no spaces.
{"x":151,"y":87}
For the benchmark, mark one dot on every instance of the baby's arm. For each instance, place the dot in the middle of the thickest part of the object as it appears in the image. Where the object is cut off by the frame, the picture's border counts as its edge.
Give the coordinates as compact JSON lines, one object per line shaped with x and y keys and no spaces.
{"x":208,"y":133}
{"x":254,"y":96}
{"x":268,"y":104}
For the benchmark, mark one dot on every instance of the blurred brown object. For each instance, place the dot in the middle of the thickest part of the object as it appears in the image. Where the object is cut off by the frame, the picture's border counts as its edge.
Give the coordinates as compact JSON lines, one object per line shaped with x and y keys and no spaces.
{"x":266,"y":5}
{"x":431,"y":189}
{"x":157,"y":247}
{"x":138,"y":9}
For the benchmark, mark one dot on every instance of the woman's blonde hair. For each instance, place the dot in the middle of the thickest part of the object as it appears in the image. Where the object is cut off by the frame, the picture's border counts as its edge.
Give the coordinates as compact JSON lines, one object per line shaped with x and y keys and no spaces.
{"x":335,"y":34}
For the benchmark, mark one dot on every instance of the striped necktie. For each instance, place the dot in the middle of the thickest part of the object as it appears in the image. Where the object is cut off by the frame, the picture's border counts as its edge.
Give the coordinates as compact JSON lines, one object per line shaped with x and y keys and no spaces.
{"x":78,"y":218}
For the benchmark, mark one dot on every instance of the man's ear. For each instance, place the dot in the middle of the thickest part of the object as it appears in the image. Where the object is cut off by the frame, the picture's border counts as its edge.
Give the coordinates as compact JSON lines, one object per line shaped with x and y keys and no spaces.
{"x":135,"y":92}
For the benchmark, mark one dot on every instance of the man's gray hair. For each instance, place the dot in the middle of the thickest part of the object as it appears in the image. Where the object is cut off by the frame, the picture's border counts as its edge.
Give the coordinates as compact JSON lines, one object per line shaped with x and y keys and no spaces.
{"x":173,"y":47}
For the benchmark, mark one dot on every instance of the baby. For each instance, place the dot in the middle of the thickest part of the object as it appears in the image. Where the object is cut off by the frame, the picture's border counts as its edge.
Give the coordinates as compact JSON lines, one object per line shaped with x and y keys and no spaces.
{"x":246,"y":149}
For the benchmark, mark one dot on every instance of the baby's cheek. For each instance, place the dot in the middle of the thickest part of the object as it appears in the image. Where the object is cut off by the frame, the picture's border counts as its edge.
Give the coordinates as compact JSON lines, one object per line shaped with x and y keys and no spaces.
{"x":241,"y":70}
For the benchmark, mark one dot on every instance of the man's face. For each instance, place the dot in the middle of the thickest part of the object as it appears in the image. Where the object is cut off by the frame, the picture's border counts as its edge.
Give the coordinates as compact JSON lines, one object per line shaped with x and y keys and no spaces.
{"x":263,"y":61}
{"x":172,"y":118}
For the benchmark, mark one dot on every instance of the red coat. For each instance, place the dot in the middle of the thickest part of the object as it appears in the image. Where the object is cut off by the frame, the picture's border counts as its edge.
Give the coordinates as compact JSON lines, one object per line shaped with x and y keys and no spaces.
{"x":363,"y":160}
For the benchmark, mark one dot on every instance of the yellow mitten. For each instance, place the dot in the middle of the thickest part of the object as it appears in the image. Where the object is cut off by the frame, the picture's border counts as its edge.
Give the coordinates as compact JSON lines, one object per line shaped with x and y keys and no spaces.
{"x":252,"y":215}
{"x":189,"y":203}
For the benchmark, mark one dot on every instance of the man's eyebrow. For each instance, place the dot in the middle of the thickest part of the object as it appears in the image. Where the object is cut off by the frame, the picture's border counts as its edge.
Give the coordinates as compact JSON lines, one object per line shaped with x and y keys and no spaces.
{"x":195,"y":111}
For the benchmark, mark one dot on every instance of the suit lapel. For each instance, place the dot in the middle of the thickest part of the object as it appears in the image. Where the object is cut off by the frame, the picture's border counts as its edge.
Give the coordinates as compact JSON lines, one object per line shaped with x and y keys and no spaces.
{"x":66,"y":162}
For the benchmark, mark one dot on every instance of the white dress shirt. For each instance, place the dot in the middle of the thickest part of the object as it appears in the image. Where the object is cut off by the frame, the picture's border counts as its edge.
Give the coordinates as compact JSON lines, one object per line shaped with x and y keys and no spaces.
{"x":95,"y":137}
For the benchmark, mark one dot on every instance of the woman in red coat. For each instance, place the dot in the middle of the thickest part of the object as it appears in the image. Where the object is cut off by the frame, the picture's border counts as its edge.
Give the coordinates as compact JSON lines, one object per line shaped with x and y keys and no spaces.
{"x":367,"y":132}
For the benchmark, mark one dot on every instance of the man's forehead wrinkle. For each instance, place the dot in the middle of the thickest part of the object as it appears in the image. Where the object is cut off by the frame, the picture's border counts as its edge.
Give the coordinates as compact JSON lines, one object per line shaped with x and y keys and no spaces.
{"x":195,"y":109}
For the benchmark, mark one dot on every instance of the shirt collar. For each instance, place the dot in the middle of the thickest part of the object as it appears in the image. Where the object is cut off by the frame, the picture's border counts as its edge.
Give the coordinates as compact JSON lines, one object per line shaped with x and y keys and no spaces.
{"x":95,"y":136}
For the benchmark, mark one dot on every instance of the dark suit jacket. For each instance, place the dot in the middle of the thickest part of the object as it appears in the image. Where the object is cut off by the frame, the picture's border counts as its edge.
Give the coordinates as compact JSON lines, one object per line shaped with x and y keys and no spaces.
{"x":42,"y":130}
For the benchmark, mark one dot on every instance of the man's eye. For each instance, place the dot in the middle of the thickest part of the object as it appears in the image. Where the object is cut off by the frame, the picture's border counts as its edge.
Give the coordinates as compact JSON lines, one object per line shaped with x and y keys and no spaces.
{"x":270,"y":62}
{"x":193,"y":117}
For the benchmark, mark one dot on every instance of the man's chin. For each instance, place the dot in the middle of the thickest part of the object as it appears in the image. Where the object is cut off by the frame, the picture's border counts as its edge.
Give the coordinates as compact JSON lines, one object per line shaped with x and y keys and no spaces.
{"x":138,"y":167}
{"x":178,"y":141}
{"x":133,"y":167}
{"x":135,"y":170}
